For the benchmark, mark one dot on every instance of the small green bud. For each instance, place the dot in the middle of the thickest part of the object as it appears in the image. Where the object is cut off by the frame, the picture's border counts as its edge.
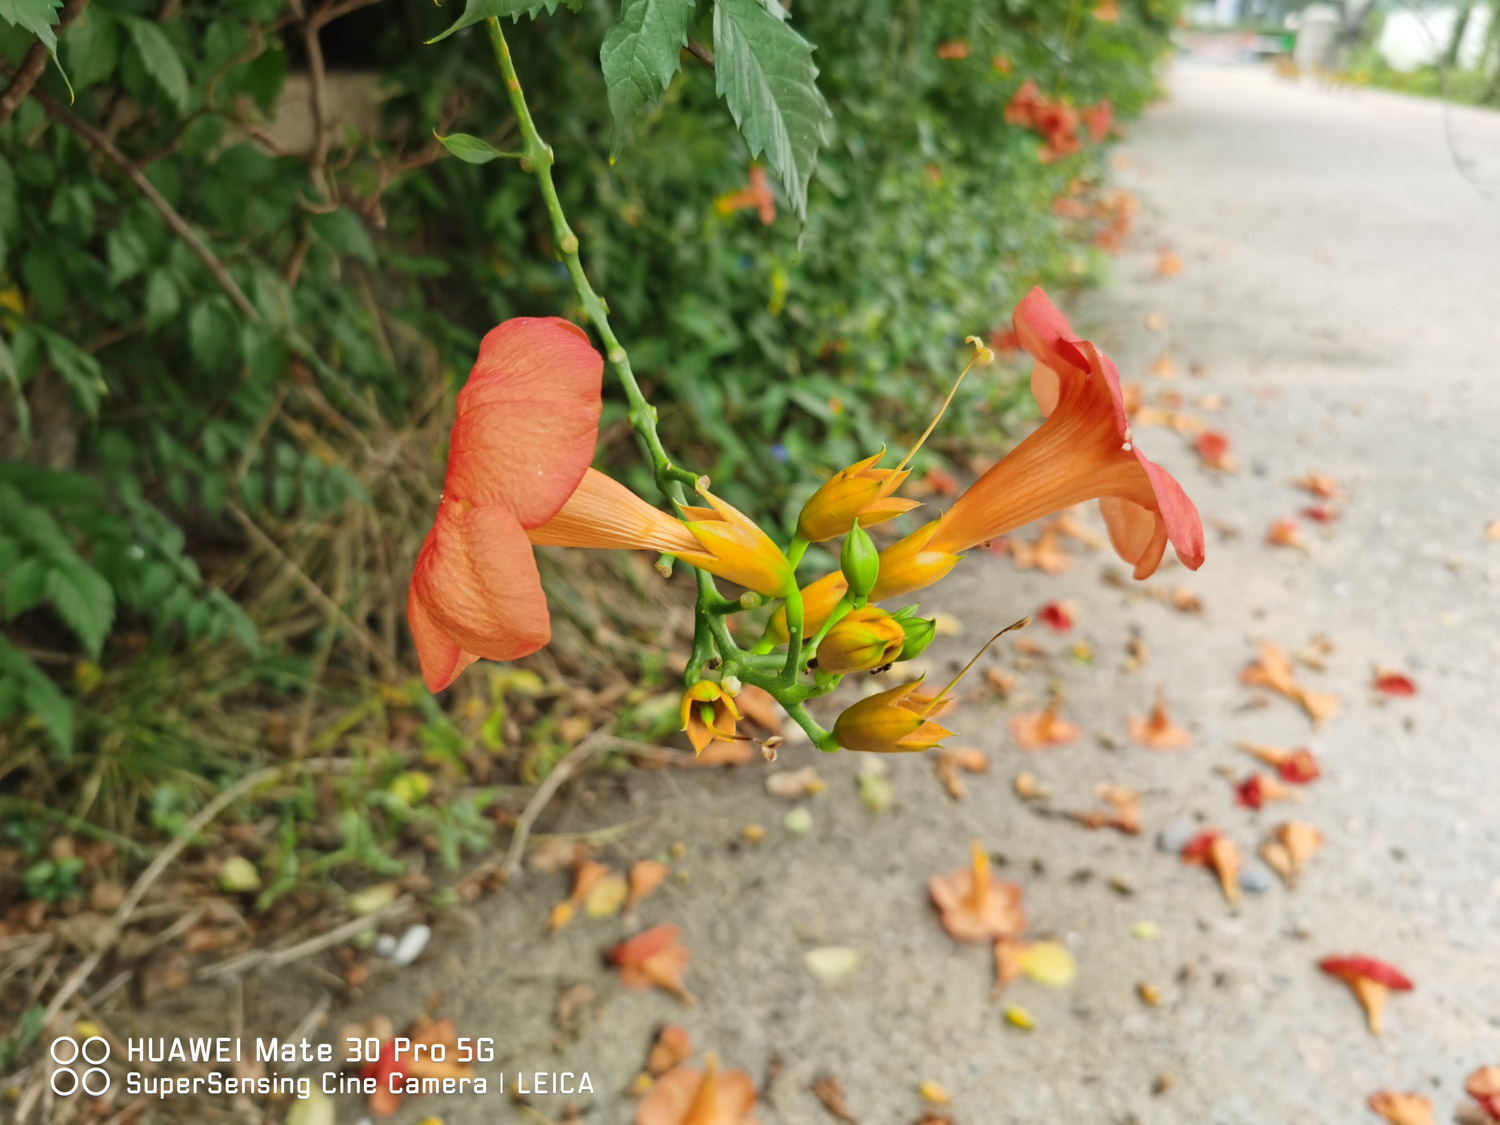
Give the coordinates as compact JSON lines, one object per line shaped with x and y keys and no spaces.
{"x":919,"y":633}
{"x":860,"y":561}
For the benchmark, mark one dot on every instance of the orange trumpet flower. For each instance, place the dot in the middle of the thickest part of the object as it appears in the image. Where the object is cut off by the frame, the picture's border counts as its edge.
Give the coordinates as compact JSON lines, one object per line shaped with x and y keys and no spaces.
{"x":1084,"y":450}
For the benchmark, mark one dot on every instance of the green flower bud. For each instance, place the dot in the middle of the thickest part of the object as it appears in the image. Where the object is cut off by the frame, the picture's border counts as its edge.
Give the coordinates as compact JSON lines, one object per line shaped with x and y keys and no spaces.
{"x":919,"y":633}
{"x":860,"y":561}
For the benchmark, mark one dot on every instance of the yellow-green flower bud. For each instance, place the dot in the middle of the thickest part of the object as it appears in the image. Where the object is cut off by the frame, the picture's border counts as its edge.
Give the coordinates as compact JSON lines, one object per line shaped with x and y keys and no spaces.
{"x":919,"y":632}
{"x":860,"y":561}
{"x":860,"y":641}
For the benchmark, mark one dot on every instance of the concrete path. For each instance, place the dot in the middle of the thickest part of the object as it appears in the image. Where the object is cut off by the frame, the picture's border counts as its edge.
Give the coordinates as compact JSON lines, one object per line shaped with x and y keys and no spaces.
{"x":1339,"y":291}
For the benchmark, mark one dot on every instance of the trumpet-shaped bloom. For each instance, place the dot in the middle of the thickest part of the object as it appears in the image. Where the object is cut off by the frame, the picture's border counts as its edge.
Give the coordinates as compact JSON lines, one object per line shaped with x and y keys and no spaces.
{"x":708,"y":715}
{"x":860,"y":641}
{"x":860,"y":492}
{"x":891,"y":722}
{"x":1084,"y":450}
{"x":734,"y":547}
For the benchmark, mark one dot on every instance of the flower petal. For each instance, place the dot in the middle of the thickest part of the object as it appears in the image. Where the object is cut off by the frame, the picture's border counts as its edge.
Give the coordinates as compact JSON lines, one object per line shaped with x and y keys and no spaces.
{"x":476,"y":590}
{"x":528,"y":419}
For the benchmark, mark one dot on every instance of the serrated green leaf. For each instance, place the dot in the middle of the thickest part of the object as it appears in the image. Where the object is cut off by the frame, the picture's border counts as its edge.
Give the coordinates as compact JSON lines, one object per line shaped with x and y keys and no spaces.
{"x":92,"y":46}
{"x":36,"y":16}
{"x":765,"y":73}
{"x":477,"y":11}
{"x":472,"y":150}
{"x":639,"y":56}
{"x":159,"y":58}
{"x":84,"y":600}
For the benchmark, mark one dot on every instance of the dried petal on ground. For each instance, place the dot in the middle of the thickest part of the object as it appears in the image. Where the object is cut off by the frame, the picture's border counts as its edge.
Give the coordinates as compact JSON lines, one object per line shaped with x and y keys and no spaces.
{"x":1320,"y":485}
{"x":1156,"y":731}
{"x":1391,"y":682}
{"x":1296,"y":766}
{"x":1075,"y":529}
{"x":1008,"y":966}
{"x":586,"y":874}
{"x":1168,"y":264}
{"x":1017,"y":1016}
{"x":934,"y":1093}
{"x":1163,"y":367}
{"x":1186,"y":601}
{"x":1057,"y":616}
{"x":950,"y":762}
{"x":721,"y":753}
{"x":1272,"y":669}
{"x":1259,"y":790}
{"x":654,"y":957}
{"x":795,"y":784}
{"x":1124,"y":813}
{"x":1370,"y":980}
{"x":1212,"y":849}
{"x":1213,"y":451}
{"x":1156,"y":322}
{"x":645,"y":877}
{"x":1001,"y":681}
{"x":832,"y":962}
{"x":1038,"y":730}
{"x":1484,"y":1087}
{"x":1289,"y":847}
{"x":974,"y":904}
{"x":1402,"y":1109}
{"x":1285,"y":533}
{"x":1046,"y":554}
{"x":830,"y":1091}
{"x":1492,"y":531}
{"x":1028,"y":788}
{"x":1319,"y":513}
{"x":687,"y":1096}
{"x":390,"y":1071}
{"x":672,"y":1047}
{"x":1050,"y":963}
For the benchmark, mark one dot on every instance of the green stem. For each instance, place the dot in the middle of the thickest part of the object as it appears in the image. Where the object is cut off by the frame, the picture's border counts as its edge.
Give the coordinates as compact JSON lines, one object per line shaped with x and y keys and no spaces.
{"x":537,"y":159}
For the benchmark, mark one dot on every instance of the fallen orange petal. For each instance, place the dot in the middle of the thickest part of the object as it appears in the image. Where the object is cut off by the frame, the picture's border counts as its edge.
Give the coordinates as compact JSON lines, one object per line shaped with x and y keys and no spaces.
{"x":1038,"y":730}
{"x":673,"y":1046}
{"x":1156,"y":731}
{"x":1402,"y":1109}
{"x":1286,"y":533}
{"x":645,"y":877}
{"x":975,"y":905}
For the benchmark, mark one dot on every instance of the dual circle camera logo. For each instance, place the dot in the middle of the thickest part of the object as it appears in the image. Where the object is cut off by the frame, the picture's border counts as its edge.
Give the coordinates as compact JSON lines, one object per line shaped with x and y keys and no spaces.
{"x":66,"y":1051}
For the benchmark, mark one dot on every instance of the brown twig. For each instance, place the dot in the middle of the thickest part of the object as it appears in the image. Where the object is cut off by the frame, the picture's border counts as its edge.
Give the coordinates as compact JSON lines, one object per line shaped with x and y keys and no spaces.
{"x":275,"y":958}
{"x":106,"y":148}
{"x":317,"y":73}
{"x":701,"y":53}
{"x":35,"y":64}
{"x":566,"y":768}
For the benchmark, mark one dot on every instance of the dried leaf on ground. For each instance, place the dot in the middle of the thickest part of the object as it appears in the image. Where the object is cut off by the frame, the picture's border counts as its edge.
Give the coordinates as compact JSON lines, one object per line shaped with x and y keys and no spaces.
{"x":688,"y":1096}
{"x":654,"y":957}
{"x":1289,"y":847}
{"x":1156,"y":731}
{"x":974,"y":904}
{"x":1039,"y":730}
{"x":1402,"y":1109}
{"x":830,"y":1091}
{"x":1050,"y":963}
{"x":1372,"y":981}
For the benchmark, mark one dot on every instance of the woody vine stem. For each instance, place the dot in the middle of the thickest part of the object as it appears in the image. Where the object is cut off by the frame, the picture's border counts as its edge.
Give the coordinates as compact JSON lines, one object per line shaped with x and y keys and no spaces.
{"x":711,"y":639}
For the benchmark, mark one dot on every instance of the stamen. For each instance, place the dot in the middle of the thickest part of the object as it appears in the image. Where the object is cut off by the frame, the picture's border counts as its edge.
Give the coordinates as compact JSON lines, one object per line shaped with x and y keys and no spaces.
{"x":938,"y":698}
{"x":981,"y":354}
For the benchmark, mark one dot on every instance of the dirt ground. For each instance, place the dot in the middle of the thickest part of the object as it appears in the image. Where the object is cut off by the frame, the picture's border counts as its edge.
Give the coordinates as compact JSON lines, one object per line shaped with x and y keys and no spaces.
{"x":1338,"y":291}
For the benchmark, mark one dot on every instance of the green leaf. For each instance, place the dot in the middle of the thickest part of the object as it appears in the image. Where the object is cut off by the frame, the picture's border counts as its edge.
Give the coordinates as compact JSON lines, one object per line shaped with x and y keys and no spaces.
{"x":127,"y":254}
{"x":162,"y":301}
{"x":52,"y":710}
{"x":476,"y":11}
{"x":23,"y":586}
{"x":79,"y":369}
{"x":472,"y":150}
{"x":344,"y":232}
{"x":84,"y":600}
{"x":766,"y":74}
{"x":211,"y":338}
{"x":10,"y":211}
{"x":35,"y":16}
{"x":639,"y":56}
{"x":11,"y":378}
{"x":92,"y":46}
{"x":159,"y":58}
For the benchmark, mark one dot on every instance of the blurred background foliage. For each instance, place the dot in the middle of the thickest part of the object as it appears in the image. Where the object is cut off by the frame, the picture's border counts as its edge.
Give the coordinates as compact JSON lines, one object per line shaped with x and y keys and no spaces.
{"x":216,"y":462}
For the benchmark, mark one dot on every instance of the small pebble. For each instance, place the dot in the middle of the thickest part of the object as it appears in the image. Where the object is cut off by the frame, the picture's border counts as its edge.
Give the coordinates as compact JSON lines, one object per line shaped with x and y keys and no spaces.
{"x":385,"y":945}
{"x":1175,"y":836}
{"x":410,"y":947}
{"x":798,"y":822}
{"x":1256,"y":878}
